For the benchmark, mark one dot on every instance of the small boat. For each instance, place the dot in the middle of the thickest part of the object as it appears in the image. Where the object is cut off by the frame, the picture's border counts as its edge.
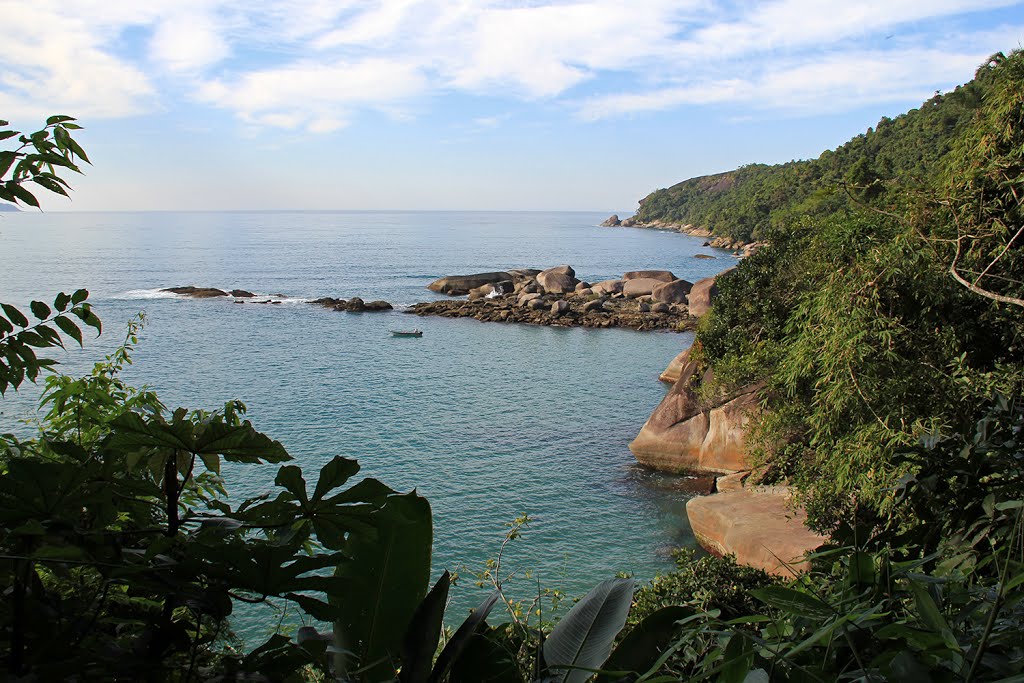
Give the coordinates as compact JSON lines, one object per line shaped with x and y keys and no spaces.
{"x":407,"y":333}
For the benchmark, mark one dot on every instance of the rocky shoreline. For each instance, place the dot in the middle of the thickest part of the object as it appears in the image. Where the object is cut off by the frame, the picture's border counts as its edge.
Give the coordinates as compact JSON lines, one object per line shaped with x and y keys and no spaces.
{"x":639,"y":300}
{"x":738,"y":247}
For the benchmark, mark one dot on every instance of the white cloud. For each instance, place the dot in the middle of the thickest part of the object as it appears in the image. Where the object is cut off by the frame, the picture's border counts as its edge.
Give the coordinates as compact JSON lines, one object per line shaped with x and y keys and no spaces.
{"x":315,"y":64}
{"x":188,"y":41}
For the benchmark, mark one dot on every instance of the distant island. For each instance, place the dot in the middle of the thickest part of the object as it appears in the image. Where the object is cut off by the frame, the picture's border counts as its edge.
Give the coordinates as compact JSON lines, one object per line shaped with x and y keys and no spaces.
{"x":8,"y":208}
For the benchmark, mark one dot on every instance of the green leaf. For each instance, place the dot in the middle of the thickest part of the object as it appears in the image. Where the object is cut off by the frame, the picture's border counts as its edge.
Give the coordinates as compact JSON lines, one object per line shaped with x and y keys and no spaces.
{"x":460,"y":640}
{"x":14,"y":315}
{"x":420,"y":641}
{"x":40,"y":310}
{"x":61,"y":301}
{"x":793,"y":602}
{"x":79,"y":296}
{"x":384,"y":578}
{"x":4,"y":134}
{"x":583,"y":638}
{"x":645,"y":642}
{"x":59,"y":118}
{"x":69,"y":328}
{"x":737,"y":659}
{"x":334,"y":474}
{"x":21,"y":193}
{"x":50,"y":184}
{"x":485,"y":659}
{"x":927,"y":610}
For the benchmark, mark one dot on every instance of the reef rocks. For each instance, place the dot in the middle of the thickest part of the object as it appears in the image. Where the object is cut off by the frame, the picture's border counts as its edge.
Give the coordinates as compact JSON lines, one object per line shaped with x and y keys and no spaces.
{"x":550,"y":309}
{"x":353,"y":305}
{"x":685,"y":434}
{"x":196,"y":292}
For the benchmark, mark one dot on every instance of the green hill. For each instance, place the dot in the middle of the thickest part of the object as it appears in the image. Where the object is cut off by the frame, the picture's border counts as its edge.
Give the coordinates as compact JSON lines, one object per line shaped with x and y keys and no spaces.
{"x":747,"y":203}
{"x":885,"y":314}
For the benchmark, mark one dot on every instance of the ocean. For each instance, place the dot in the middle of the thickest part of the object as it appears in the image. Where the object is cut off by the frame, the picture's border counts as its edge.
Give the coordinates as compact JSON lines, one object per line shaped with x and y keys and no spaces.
{"x":487,"y":420}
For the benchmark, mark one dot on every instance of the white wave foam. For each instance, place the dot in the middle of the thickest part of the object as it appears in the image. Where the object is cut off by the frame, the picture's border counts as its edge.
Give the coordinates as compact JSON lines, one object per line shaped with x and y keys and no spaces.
{"x":133,"y":294}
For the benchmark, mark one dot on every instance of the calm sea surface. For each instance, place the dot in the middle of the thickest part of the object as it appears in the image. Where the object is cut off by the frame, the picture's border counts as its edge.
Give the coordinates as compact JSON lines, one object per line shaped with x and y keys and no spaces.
{"x":487,"y":420}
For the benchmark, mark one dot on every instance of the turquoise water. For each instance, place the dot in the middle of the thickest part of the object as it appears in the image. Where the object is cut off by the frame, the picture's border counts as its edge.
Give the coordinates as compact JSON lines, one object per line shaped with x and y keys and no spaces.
{"x":487,"y":420}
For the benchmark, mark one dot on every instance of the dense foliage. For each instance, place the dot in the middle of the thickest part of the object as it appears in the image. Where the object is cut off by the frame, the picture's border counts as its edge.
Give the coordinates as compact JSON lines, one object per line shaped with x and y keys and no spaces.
{"x":885,"y":319}
{"x":752,"y":202}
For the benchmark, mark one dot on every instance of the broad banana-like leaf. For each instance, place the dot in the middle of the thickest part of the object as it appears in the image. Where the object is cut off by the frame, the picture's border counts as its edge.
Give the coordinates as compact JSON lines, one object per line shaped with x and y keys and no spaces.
{"x":451,"y":652}
{"x":645,"y":642}
{"x":582,"y":640}
{"x":424,"y":631}
{"x":382,"y":580}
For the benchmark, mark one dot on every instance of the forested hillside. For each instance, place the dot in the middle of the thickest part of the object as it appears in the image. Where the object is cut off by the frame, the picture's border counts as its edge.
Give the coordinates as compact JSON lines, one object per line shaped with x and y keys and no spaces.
{"x":747,"y":203}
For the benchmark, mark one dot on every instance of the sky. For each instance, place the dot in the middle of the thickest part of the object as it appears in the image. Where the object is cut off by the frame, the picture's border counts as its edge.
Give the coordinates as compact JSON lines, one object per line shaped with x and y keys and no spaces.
{"x":462,"y":104}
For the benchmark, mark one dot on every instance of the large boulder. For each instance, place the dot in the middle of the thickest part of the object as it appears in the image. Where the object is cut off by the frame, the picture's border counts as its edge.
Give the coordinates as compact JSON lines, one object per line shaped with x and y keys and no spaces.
{"x":560,"y":307}
{"x":759,"y":527}
{"x":457,"y":285}
{"x":639,"y":287}
{"x":701,"y":296}
{"x":558,"y":280}
{"x":660,"y":275}
{"x":685,"y":434}
{"x":612,"y":221}
{"x":672,"y":292}
{"x":607,"y":287}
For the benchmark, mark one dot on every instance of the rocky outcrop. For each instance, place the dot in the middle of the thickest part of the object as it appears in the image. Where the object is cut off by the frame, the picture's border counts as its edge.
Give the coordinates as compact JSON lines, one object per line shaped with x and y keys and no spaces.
{"x":758,"y":526}
{"x":558,"y":280}
{"x":661,"y":275}
{"x":458,"y":285}
{"x":674,"y":292}
{"x":686,"y":434}
{"x":242,"y":294}
{"x":353,"y":305}
{"x":196,"y":292}
{"x":568,"y":311}
{"x":701,"y":296}
{"x":611,"y":222}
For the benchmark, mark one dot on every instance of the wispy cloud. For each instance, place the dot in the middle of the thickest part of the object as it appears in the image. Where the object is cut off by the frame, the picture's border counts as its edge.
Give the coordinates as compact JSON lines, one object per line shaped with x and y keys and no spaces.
{"x":317,"y":64}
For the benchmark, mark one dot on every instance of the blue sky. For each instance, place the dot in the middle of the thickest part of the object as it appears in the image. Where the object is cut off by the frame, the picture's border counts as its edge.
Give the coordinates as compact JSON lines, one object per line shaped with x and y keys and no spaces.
{"x":461,"y":104}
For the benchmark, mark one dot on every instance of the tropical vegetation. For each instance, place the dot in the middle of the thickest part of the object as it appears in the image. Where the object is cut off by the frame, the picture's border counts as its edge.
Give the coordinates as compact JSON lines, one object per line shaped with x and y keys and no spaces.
{"x":884,"y":317}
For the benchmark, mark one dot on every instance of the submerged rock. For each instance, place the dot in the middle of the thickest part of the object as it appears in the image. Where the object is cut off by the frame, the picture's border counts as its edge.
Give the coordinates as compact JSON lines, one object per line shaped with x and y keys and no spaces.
{"x":196,"y":292}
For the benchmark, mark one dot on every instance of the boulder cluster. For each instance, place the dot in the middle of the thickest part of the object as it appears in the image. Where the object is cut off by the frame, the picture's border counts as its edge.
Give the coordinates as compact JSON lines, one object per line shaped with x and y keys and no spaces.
{"x":353,"y":305}
{"x":642,"y":300}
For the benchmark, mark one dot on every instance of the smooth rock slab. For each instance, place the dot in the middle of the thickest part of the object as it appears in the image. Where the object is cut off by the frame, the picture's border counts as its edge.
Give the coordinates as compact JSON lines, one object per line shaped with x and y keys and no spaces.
{"x":457,"y":285}
{"x":758,"y":528}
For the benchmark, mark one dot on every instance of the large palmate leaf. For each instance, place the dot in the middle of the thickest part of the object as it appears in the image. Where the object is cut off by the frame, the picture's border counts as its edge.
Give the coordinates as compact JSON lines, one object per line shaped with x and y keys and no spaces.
{"x":212,"y":437}
{"x":582,"y":640}
{"x":383,"y":578}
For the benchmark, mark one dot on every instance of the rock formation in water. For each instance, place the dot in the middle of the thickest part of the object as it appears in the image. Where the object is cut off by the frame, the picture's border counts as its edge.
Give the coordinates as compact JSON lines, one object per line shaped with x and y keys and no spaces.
{"x":684,"y":433}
